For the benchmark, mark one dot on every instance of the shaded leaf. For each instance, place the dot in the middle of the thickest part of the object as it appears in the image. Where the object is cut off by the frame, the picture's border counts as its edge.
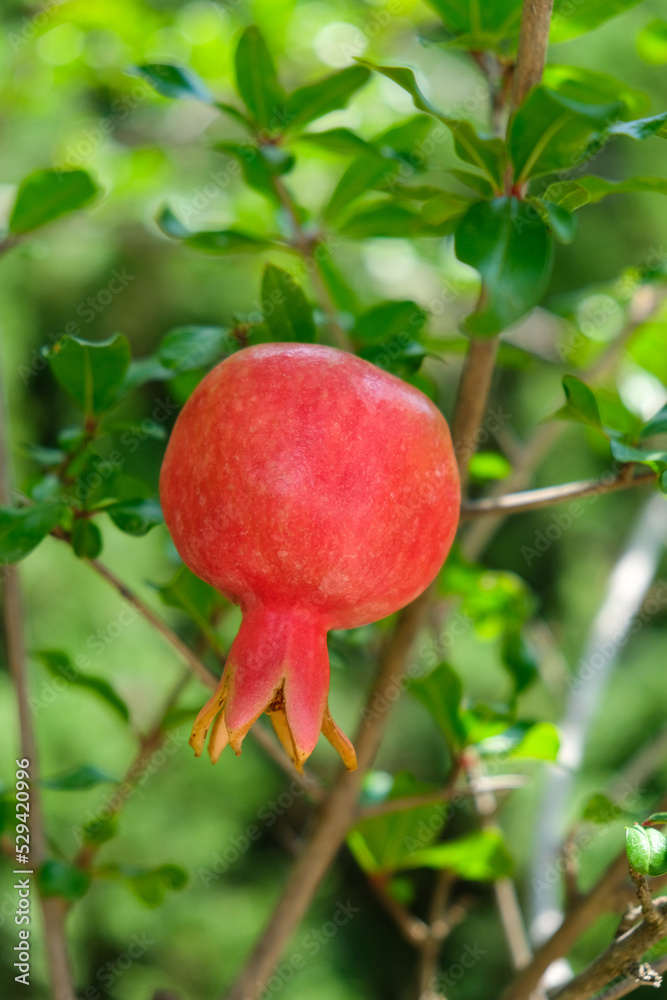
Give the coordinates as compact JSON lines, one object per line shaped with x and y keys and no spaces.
{"x":80,"y":779}
{"x":390,"y":320}
{"x":176,"y":81}
{"x":363,"y":173}
{"x":59,"y":878}
{"x":92,"y":372}
{"x":337,"y":140}
{"x":136,"y":517}
{"x":189,"y":347}
{"x":221,"y":241}
{"x":519,"y":659}
{"x":480,"y":27}
{"x":99,"y":831}
{"x":48,"y":194}
{"x":590,"y":190}
{"x":656,"y":425}
{"x":287,"y":313}
{"x":23,"y":528}
{"x":257,"y":81}
{"x":86,"y":539}
{"x":440,"y":692}
{"x":581,"y":404}
{"x":328,"y":94}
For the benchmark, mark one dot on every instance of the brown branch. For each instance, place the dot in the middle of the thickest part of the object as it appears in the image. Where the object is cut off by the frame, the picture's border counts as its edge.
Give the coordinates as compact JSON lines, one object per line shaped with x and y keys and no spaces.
{"x":532,"y":53}
{"x":471,"y":401}
{"x":306,"y":248}
{"x":517,"y":503}
{"x":53,"y":907}
{"x":627,"y":986}
{"x":412,"y":929}
{"x":622,"y":956}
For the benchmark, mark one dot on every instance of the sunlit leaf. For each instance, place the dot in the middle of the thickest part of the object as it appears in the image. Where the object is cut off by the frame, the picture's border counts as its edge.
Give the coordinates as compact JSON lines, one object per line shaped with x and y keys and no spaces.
{"x":48,"y":194}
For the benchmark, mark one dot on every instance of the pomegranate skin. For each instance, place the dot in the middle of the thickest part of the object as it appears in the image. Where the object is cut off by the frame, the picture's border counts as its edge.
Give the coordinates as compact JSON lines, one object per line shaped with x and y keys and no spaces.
{"x":316,"y":491}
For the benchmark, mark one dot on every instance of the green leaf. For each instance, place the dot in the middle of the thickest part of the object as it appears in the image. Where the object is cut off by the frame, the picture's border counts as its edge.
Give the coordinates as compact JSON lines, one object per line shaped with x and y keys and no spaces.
{"x":541,"y":742}
{"x":383,"y":843}
{"x":507,"y":242}
{"x":197,"y":599}
{"x":337,"y":140}
{"x":488,"y":154}
{"x":365,"y":172}
{"x":59,"y":878}
{"x":573,"y":130}
{"x":79,"y":780}
{"x":590,"y":87}
{"x":136,"y":517}
{"x":92,"y":372}
{"x":590,"y":190}
{"x":600,"y":809}
{"x":99,"y":831}
{"x":390,"y":320}
{"x":328,"y":94}
{"x":222,"y":241}
{"x":287,"y":312}
{"x":646,"y":848}
{"x":23,"y":528}
{"x":150,"y":885}
{"x":642,"y":128}
{"x":581,"y":405}
{"x":444,"y":207}
{"x":656,"y":425}
{"x":626,"y":453}
{"x":389,"y":220}
{"x":176,"y":81}
{"x":585,"y":16}
{"x":189,"y":347}
{"x":257,"y":81}
{"x":652,"y":42}
{"x":48,"y":194}
{"x":659,"y":817}
{"x":486,"y":465}
{"x":86,"y":539}
{"x":476,"y":182}
{"x":480,"y":27}
{"x":60,"y":666}
{"x":562,"y":223}
{"x":404,"y":138}
{"x":441,"y":693}
{"x":519,"y":659}
{"x":479,"y":857}
{"x":260,"y":165}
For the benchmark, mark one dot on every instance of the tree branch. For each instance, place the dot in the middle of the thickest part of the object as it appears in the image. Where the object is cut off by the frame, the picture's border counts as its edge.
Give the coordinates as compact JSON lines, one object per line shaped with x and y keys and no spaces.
{"x":532,"y":52}
{"x":622,"y":956}
{"x":471,"y":401}
{"x":518,"y":503}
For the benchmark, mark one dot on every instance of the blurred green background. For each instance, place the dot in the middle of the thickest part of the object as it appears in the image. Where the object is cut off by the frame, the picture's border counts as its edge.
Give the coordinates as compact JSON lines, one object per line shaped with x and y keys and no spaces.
{"x":67,"y":97}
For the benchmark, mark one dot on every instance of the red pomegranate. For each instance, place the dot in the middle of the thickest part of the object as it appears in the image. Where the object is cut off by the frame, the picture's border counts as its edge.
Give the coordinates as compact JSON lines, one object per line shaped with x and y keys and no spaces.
{"x":317,"y":492}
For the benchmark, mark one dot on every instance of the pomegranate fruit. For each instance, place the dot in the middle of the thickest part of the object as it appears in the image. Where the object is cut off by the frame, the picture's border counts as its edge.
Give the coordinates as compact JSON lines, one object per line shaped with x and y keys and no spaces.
{"x":317,"y":492}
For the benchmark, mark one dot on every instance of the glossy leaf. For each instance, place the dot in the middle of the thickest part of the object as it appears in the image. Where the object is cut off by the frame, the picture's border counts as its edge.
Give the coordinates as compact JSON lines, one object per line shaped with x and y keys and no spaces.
{"x":390,"y":320}
{"x":60,"y":878}
{"x":79,"y":780}
{"x":488,"y":154}
{"x":444,"y":207}
{"x":189,"y":347}
{"x":561,"y":222}
{"x":585,"y":16}
{"x":507,"y":242}
{"x":328,"y":94}
{"x":365,"y":172}
{"x":136,"y":517}
{"x":573,"y":128}
{"x":86,"y":539}
{"x":642,"y":128}
{"x":176,"y":81}
{"x":48,"y":194}
{"x":91,"y":372}
{"x":60,"y":666}
{"x":659,"y":817}
{"x":646,"y":848}
{"x":440,"y":692}
{"x":479,"y":857}
{"x":656,"y":425}
{"x":222,"y":241}
{"x":590,"y":190}
{"x":390,"y":220}
{"x":23,"y":528}
{"x":260,"y":165}
{"x":257,"y":81}
{"x":287,"y":313}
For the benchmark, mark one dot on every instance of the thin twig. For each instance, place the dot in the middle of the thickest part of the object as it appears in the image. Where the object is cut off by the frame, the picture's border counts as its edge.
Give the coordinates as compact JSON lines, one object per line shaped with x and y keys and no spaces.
{"x":471,"y":401}
{"x":499,"y":783}
{"x":518,"y":503}
{"x":627,"y":986}
{"x":413,"y":930}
